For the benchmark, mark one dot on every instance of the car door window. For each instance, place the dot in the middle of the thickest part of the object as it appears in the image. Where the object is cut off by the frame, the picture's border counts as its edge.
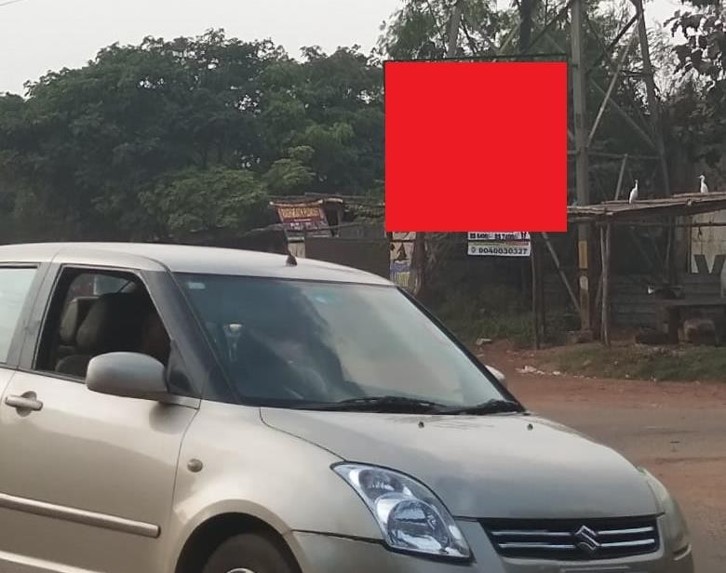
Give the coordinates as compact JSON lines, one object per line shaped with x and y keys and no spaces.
{"x":15,"y":285}
{"x":85,"y":452}
{"x":94,"y":313}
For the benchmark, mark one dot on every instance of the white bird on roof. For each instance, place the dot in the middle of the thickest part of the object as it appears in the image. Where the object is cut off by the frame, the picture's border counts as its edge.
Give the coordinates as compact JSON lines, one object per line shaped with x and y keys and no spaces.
{"x":633,"y":193}
{"x":704,"y":187}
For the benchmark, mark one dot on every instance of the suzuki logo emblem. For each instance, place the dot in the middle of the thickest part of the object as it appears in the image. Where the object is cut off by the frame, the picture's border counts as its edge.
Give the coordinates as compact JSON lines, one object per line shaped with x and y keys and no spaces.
{"x":587,"y":540}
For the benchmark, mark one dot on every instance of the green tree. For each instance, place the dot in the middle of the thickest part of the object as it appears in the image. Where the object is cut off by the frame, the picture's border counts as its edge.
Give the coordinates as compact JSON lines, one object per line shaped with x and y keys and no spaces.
{"x":702,"y":48}
{"x":291,"y":175}
{"x":194,"y":200}
{"x":113,"y":149}
{"x":333,"y":106}
{"x":700,"y":103}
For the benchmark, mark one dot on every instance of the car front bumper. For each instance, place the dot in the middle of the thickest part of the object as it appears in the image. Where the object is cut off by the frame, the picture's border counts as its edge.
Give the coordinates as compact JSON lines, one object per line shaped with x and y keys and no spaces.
{"x":317,"y":553}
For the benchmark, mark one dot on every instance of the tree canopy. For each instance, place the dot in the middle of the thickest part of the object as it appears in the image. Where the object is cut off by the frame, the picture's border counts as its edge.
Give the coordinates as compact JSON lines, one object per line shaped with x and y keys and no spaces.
{"x":701,"y":101}
{"x":173,"y":137}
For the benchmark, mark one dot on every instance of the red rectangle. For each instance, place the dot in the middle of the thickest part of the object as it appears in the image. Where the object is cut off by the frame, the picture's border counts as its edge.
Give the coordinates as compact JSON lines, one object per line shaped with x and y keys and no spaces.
{"x":474,"y":145}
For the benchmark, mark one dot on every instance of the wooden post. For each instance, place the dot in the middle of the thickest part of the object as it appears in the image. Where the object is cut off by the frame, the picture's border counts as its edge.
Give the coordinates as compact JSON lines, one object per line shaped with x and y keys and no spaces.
{"x":674,"y":322}
{"x":535,"y":296}
{"x":340,"y":212}
{"x":605,"y":254}
{"x":562,"y":274}
{"x":597,"y":318}
{"x":417,"y":278}
{"x":541,"y":292}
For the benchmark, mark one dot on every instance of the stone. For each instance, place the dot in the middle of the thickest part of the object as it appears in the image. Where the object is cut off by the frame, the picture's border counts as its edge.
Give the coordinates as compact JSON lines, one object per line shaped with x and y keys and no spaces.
{"x":700,"y":331}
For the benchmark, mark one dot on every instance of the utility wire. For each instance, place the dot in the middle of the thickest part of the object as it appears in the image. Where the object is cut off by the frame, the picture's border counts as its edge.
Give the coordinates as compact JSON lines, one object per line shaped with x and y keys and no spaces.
{"x":9,"y":2}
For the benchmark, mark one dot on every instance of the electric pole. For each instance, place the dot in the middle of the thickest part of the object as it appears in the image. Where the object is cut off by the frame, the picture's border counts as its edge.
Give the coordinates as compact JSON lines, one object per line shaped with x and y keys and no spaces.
{"x":579,"y":94}
{"x":454,"y":29}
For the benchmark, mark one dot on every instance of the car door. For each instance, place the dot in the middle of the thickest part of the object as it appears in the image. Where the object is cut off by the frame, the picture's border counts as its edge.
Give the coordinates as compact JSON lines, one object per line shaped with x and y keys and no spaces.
{"x":16,"y":289}
{"x":87,"y":479}
{"x":18,"y":282}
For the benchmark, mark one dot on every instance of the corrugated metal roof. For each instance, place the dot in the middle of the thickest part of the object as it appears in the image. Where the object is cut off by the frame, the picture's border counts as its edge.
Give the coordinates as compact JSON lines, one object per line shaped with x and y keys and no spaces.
{"x":677,"y":206}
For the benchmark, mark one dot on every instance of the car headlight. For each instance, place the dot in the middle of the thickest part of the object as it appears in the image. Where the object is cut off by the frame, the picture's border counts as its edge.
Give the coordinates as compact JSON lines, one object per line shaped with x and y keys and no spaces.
{"x":410,"y":516}
{"x":677,"y":536}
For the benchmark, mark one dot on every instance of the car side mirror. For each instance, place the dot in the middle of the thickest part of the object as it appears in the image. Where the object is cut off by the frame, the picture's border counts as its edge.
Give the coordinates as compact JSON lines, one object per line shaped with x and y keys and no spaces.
{"x":127,"y":374}
{"x":498,"y":375}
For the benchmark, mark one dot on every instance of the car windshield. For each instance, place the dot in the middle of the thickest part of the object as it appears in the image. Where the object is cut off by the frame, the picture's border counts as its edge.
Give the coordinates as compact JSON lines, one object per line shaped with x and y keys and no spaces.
{"x":292,"y":343}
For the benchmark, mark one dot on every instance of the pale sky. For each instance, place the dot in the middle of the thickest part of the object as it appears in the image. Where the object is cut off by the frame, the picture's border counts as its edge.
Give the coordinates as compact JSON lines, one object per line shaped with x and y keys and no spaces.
{"x":41,"y":35}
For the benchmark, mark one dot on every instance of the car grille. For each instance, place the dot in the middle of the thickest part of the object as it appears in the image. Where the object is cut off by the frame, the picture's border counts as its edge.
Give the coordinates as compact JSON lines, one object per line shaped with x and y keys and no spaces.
{"x":572,"y":540}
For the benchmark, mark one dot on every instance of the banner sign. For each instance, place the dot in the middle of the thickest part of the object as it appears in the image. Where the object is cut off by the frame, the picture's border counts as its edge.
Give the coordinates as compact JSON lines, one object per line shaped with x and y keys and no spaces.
{"x":514,"y":244}
{"x":401,"y":257}
{"x":301,"y":220}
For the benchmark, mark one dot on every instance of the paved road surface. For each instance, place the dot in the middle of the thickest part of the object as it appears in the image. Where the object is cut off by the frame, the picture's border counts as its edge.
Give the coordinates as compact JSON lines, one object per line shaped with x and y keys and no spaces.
{"x":677,"y":431}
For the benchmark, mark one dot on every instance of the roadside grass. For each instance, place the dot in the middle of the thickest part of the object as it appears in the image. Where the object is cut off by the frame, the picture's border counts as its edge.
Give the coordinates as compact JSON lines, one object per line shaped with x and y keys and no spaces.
{"x":488,"y":313}
{"x":516,"y":328}
{"x":494,"y":313}
{"x":635,"y":361}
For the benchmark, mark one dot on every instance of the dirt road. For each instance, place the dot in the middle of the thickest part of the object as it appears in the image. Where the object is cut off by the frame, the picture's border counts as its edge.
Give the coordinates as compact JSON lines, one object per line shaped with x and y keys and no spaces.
{"x":677,"y":431}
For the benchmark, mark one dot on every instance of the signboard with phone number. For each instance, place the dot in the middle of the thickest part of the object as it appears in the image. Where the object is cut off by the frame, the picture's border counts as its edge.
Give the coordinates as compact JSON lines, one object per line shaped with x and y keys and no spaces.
{"x":513,"y":244}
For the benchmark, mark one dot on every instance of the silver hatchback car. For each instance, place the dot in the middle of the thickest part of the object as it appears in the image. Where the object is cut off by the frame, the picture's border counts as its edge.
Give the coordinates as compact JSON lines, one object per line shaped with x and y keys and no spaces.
{"x":170,"y":409}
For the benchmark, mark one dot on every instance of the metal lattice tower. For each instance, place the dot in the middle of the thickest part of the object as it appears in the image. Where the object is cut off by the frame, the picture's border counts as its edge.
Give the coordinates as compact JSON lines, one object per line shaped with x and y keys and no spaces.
{"x":583,"y":131}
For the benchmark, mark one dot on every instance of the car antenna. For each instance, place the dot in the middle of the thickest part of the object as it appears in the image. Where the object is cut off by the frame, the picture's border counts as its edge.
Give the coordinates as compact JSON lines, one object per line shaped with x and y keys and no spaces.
{"x":291,"y":260}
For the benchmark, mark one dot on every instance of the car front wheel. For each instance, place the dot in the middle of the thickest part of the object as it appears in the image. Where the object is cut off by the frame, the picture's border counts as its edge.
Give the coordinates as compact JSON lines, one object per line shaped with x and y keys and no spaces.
{"x":251,"y":553}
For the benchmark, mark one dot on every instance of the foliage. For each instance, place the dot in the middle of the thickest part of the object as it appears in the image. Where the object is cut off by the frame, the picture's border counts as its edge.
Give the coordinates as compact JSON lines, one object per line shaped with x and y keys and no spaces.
{"x":701,"y":54}
{"x":703,"y":46}
{"x":420,"y":29}
{"x":291,"y":175}
{"x":697,"y":125}
{"x":172,"y":137}
{"x":195,"y":200}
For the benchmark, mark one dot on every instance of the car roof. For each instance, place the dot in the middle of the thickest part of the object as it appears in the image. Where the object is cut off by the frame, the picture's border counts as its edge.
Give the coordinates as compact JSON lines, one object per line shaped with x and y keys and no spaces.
{"x":187,"y":259}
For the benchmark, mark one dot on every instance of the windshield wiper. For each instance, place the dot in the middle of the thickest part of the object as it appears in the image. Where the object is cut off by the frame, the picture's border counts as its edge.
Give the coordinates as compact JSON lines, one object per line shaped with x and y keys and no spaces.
{"x":403,"y":405}
{"x":495,"y":406}
{"x":390,"y":404}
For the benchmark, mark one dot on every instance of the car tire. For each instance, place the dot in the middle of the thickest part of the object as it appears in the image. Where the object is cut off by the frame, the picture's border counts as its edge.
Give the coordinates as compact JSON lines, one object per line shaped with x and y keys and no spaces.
{"x":251,"y":553}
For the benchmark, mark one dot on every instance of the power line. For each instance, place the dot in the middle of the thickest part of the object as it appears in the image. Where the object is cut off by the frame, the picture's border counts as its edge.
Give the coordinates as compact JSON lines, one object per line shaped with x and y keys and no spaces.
{"x":8,"y":2}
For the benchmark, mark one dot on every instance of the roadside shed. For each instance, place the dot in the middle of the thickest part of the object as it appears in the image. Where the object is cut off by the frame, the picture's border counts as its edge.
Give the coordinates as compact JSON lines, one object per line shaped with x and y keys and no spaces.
{"x":676,"y":215}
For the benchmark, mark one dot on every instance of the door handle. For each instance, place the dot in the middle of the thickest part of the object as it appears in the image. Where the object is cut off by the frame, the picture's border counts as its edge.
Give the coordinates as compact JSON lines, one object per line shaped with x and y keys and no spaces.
{"x":26,"y":403}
